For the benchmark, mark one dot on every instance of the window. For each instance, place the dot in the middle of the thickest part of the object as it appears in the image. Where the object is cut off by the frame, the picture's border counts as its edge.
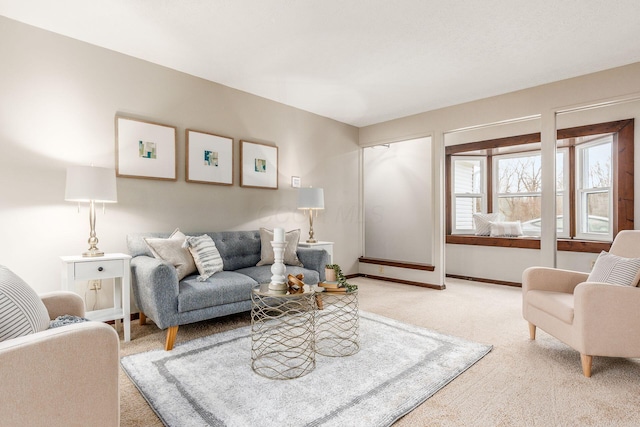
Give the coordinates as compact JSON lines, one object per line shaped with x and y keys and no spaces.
{"x":593,"y":193}
{"x":518,"y":186}
{"x":469,"y":195}
{"x":594,"y":184}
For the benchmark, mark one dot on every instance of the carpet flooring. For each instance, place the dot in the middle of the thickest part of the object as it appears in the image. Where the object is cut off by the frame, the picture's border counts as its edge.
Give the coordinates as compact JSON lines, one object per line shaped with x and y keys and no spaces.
{"x":519,"y":383}
{"x":209,"y":381}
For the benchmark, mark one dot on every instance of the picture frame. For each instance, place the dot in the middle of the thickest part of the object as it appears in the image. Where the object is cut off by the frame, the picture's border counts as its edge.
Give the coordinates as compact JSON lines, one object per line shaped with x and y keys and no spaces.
{"x":209,"y":158}
{"x":145,"y":149}
{"x":258,"y":165}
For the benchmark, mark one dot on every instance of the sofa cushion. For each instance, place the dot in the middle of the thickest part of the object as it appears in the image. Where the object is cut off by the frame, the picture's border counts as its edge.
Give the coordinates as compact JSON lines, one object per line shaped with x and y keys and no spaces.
{"x":266,"y":249}
{"x":263,"y":274}
{"x":238,"y":249}
{"x":556,"y":304}
{"x":205,"y":255}
{"x":22,"y":312}
{"x":610,"y":268}
{"x":222,"y":288}
{"x":171,"y":250}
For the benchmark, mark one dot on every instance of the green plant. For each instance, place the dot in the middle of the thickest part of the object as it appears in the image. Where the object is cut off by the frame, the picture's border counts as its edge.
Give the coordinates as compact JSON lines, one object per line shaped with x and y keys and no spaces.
{"x":342,"y":280}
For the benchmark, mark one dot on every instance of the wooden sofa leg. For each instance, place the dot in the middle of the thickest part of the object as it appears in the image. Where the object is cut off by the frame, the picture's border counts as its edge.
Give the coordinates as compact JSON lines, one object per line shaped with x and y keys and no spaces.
{"x":143,"y":319}
{"x":171,"y":337}
{"x":586,"y":364}
{"x":532,"y":331}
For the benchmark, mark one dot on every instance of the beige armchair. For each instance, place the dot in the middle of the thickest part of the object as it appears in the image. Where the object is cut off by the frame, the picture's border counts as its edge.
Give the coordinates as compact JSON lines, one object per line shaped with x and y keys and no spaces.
{"x":65,"y":376}
{"x":596,"y":319}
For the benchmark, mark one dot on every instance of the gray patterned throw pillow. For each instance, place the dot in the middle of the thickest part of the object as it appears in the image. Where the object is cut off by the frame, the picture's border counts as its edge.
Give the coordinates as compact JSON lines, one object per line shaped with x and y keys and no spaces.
{"x":205,"y":255}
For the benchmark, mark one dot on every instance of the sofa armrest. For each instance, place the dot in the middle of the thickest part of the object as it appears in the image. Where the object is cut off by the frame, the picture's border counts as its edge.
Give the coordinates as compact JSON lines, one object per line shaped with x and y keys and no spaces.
{"x":59,"y":303}
{"x":607,"y":319}
{"x":155,"y":287}
{"x":62,"y":376}
{"x":314,"y":259}
{"x":551,"y":279}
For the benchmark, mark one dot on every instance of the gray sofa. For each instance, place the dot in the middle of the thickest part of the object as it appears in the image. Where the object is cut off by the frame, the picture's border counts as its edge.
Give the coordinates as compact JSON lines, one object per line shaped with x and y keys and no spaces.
{"x":171,"y":303}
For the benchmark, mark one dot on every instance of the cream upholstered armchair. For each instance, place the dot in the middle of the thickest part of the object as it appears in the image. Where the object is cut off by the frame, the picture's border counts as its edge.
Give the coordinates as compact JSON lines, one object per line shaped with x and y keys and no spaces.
{"x":593,"y":313}
{"x":64,"y":376}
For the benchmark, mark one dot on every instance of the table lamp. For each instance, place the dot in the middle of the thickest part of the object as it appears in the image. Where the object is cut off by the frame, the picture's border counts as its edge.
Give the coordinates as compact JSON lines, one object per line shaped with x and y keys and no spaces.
{"x":313,"y":200}
{"x":94,"y":185}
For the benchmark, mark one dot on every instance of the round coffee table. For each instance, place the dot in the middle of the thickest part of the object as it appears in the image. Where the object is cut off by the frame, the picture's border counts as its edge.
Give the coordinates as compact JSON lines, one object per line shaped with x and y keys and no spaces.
{"x":282,"y":334}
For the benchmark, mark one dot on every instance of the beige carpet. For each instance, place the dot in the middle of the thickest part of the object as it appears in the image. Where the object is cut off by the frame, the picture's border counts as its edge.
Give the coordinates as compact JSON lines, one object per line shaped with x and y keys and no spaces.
{"x":519,"y":383}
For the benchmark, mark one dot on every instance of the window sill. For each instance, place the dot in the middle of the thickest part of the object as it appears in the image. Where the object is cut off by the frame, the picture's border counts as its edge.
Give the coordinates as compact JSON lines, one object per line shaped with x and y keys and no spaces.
{"x":568,"y":245}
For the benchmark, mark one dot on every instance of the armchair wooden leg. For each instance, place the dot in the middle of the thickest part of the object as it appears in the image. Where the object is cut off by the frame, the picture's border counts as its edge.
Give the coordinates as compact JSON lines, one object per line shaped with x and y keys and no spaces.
{"x":586,"y":364}
{"x":532,"y":331}
{"x":171,"y":337}
{"x":143,"y":319}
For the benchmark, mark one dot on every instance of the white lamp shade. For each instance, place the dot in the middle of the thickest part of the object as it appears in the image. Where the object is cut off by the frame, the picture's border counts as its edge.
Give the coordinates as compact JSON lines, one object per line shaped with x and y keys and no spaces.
{"x":86,"y":183}
{"x":311,"y":198}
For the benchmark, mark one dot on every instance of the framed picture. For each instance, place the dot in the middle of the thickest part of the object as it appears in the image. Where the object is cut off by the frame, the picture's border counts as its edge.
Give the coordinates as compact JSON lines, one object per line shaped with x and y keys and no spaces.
{"x":145,"y":150}
{"x":209,"y":158}
{"x":258,"y":165}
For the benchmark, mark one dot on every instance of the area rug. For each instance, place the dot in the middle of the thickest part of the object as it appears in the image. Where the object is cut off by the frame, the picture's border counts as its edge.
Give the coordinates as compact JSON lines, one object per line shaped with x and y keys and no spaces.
{"x":209,"y":381}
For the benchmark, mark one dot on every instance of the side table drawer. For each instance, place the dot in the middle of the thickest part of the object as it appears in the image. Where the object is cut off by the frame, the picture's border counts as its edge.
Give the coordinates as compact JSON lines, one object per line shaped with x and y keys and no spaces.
{"x":99,"y":269}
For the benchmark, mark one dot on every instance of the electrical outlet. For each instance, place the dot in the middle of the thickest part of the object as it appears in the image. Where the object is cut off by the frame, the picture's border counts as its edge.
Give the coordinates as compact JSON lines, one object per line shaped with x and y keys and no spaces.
{"x":95,"y":285}
{"x":380,"y":269}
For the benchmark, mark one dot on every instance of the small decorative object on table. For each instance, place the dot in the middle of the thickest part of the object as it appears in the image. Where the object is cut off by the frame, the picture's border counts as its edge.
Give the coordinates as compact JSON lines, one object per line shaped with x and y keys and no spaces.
{"x":278,"y":284}
{"x":295,"y":284}
{"x":339,"y":282}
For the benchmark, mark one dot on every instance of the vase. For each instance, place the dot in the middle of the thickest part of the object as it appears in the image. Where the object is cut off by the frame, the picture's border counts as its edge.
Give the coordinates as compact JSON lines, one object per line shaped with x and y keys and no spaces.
{"x":330,"y":275}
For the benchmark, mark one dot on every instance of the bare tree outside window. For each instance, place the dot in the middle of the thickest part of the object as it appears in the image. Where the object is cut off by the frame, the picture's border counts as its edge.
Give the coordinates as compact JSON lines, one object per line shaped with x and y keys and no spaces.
{"x":519,"y":187}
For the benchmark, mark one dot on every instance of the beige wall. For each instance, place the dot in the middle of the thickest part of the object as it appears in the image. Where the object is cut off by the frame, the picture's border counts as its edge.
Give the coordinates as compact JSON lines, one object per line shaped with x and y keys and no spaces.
{"x":489,"y":115}
{"x":58,"y":99}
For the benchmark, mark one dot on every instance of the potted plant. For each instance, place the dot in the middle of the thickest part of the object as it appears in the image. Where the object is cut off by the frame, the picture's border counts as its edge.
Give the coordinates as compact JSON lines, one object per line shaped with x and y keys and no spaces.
{"x":333,"y":273}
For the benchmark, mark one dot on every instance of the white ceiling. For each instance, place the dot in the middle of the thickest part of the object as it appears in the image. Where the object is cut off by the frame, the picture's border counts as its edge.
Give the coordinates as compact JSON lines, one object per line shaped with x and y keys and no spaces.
{"x":357,"y":61}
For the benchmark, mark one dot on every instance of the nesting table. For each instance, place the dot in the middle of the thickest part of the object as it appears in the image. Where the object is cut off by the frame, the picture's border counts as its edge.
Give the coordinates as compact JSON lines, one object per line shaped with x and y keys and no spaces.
{"x":288,"y":330}
{"x":282,"y":334}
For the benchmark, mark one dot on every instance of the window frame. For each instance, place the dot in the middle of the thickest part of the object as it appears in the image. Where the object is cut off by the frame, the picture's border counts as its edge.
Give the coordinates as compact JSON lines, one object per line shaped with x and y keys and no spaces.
{"x":581,"y":191}
{"x":622,"y":188}
{"x":482,"y":195}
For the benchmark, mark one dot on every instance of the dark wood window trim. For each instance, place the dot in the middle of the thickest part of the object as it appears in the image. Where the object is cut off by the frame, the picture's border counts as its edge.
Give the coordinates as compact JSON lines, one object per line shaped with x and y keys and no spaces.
{"x":622,"y":187}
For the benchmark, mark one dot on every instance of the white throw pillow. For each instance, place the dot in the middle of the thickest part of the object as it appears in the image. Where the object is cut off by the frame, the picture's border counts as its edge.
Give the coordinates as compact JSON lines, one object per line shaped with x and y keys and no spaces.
{"x":205,"y":255}
{"x":171,"y":250}
{"x":482,"y":222}
{"x":506,"y":229}
{"x":615,"y":269}
{"x":290,"y":251}
{"x":22,"y":312}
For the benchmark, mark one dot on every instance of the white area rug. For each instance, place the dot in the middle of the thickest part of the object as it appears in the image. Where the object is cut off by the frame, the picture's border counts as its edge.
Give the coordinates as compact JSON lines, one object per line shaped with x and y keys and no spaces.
{"x":209,"y":381}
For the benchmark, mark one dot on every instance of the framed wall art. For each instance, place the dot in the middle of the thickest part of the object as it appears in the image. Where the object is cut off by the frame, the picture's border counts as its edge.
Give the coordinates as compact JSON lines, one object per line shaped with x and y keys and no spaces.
{"x":145,"y":149}
{"x":209,"y":158}
{"x":258,"y":165}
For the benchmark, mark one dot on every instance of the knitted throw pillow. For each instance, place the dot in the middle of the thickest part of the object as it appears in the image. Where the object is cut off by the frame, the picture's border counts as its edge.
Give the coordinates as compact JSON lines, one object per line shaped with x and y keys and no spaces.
{"x":482,"y":222}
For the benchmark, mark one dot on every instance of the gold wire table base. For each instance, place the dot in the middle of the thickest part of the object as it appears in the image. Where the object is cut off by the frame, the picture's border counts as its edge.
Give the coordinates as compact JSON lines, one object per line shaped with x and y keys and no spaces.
{"x":337,"y":324}
{"x":282,"y":334}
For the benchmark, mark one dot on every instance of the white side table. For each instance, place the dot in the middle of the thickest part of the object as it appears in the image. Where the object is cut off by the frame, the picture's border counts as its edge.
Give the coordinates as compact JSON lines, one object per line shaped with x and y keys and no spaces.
{"x":327,"y":246}
{"x":110,"y":266}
